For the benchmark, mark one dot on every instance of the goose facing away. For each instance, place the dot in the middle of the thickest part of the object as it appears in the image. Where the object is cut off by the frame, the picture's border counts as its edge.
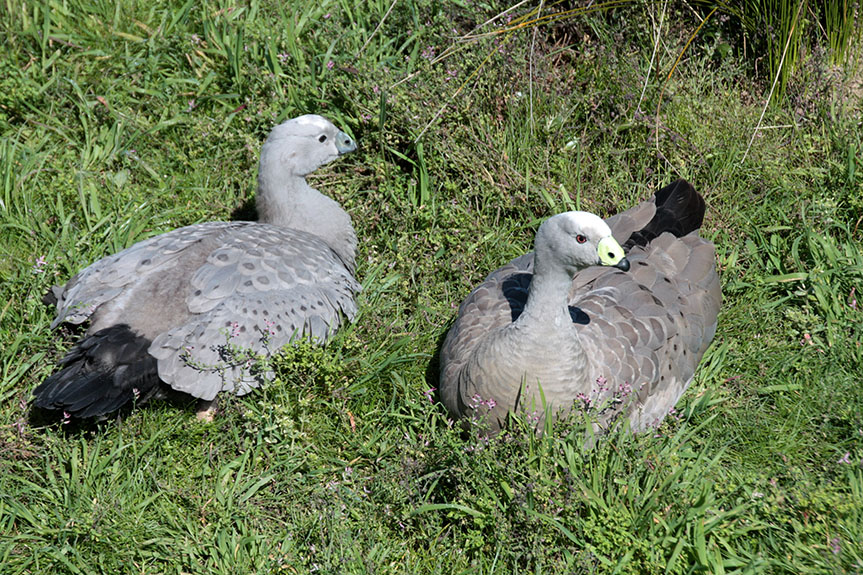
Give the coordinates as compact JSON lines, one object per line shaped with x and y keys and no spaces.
{"x":571,"y":322}
{"x":173,"y":310}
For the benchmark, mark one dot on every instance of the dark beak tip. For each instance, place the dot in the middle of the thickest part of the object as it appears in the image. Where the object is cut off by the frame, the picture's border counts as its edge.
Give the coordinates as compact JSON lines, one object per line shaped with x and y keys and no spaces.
{"x":623,"y":265}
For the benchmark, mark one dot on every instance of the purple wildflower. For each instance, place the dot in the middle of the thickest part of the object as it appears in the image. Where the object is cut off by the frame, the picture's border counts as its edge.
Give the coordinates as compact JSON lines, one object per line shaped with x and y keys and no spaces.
{"x":39,"y":265}
{"x":584,"y":399}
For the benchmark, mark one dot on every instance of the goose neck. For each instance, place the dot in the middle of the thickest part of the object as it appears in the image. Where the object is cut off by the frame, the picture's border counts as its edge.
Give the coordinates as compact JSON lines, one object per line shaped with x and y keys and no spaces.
{"x":296,"y":205}
{"x":283,"y":203}
{"x":547,"y":300}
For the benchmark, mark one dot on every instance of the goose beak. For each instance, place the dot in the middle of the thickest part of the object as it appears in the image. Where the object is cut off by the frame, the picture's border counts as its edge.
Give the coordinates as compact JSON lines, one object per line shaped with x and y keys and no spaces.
{"x":611,"y":254}
{"x":344,"y":143}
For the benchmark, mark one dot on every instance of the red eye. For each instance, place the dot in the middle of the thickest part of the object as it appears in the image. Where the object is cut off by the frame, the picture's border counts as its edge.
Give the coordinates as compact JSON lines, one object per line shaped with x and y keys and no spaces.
{"x":580,"y":238}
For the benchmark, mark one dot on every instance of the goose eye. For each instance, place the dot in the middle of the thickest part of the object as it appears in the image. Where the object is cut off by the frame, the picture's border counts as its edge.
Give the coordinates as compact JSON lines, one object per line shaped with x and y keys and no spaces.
{"x":580,"y":238}
{"x":323,"y":138}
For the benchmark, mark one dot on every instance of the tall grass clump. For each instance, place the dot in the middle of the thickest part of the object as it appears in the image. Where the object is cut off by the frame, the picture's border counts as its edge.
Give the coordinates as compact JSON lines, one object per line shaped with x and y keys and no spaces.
{"x":783,"y":31}
{"x":841,"y":20}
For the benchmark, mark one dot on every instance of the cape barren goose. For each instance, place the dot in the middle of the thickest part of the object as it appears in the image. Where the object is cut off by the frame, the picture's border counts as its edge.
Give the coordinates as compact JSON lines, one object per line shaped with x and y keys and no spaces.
{"x":175,"y":311}
{"x":583,"y":326}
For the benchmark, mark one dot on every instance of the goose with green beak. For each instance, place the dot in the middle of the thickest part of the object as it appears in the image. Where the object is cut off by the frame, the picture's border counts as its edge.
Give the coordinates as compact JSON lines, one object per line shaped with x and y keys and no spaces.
{"x":609,"y":316}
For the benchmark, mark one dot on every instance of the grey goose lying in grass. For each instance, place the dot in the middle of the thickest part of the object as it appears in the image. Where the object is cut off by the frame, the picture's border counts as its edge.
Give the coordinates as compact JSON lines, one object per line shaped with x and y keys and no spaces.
{"x":624,"y":339}
{"x":177,"y":308}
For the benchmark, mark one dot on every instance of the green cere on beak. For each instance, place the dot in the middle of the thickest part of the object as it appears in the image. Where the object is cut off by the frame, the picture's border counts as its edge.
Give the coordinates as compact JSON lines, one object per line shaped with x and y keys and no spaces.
{"x":611,"y":254}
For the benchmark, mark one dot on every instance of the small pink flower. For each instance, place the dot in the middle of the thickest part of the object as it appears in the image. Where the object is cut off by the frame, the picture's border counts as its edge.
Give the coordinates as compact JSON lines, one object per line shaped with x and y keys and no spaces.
{"x":38,"y":265}
{"x":330,"y":65}
{"x":845,"y":459}
{"x":429,"y":393}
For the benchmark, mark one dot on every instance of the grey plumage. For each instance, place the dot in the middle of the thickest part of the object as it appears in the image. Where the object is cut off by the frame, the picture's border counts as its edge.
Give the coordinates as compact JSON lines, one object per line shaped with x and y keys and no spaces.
{"x":590,"y":336}
{"x":177,"y":306}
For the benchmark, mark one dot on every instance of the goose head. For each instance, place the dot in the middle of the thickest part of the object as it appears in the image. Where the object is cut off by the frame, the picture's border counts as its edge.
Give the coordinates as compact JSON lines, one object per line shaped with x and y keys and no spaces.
{"x":572,"y":241}
{"x":301,"y":145}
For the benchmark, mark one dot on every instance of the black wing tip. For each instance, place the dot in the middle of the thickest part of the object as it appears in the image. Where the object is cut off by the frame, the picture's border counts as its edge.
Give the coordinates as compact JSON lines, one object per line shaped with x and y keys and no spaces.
{"x":89,"y":383}
{"x":70,"y":394}
{"x":684,"y":202}
{"x":679,"y":209}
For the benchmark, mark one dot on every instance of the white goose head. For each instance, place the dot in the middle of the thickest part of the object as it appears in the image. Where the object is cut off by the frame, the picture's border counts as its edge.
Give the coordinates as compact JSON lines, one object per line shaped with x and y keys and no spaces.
{"x":301,"y":145}
{"x":575,"y":240}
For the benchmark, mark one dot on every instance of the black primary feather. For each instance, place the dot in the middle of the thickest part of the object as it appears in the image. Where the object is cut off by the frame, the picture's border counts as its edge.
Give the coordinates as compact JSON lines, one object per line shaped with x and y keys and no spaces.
{"x":101,"y":374}
{"x":679,"y":210}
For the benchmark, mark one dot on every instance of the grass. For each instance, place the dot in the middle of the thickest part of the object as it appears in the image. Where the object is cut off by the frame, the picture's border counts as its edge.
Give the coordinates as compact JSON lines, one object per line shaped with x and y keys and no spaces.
{"x":123,"y":120}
